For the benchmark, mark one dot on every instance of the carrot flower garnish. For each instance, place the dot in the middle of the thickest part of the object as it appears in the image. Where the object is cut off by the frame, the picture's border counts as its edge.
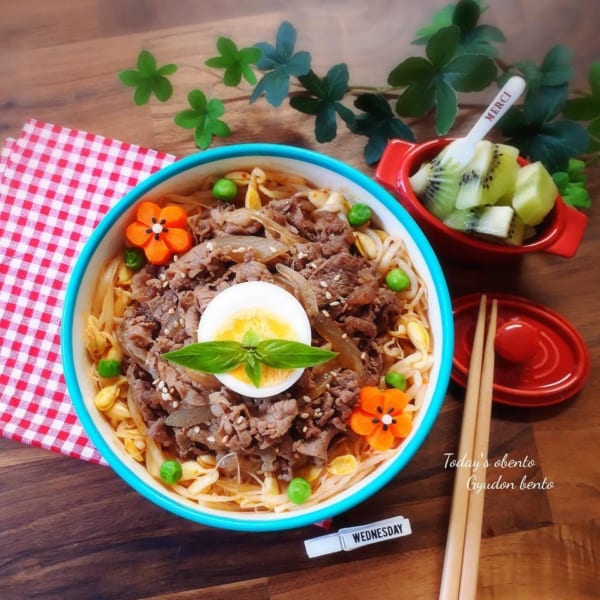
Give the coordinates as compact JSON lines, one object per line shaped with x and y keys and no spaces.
{"x":380,"y":417}
{"x":161,"y":232}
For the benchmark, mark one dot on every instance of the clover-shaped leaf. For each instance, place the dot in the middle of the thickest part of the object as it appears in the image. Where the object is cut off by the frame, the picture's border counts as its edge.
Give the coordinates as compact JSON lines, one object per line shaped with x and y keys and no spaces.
{"x":147,"y":79}
{"x":440,"y":19}
{"x":324,"y":101}
{"x":473,"y":38}
{"x":434,"y":81}
{"x":586,"y":107}
{"x":281,"y":63}
{"x":237,"y":63}
{"x":203,"y":118}
{"x":379,"y":124}
{"x":555,"y":70}
{"x":539,"y":135}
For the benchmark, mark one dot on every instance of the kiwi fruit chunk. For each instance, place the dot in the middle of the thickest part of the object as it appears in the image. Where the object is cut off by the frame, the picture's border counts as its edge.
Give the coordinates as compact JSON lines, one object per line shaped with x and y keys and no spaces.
{"x":535,"y":193}
{"x":488,"y":176}
{"x":485,"y":220}
{"x":500,"y":179}
{"x":436,"y":184}
{"x":470,"y":190}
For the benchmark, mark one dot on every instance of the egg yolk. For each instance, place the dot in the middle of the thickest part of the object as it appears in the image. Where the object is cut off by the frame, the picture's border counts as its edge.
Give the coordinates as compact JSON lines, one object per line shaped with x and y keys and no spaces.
{"x":267,"y":326}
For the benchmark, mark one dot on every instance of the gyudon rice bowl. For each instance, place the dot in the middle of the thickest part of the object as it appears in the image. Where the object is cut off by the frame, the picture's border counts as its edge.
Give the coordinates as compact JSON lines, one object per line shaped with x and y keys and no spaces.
{"x":369,"y":286}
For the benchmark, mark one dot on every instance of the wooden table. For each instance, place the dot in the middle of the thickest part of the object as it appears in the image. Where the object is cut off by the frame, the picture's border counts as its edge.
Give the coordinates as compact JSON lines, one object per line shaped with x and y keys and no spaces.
{"x":74,"y":530}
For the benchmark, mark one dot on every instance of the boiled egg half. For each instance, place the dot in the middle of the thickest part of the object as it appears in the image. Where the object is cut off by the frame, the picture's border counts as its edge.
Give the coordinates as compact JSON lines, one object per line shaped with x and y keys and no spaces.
{"x":271,"y":313}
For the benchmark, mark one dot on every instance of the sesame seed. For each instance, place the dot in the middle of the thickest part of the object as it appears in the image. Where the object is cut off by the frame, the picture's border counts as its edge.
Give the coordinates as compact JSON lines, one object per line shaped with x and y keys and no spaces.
{"x":210,"y":246}
{"x":240,"y":419}
{"x":334,"y":303}
{"x":272,"y":249}
{"x":337,"y":277}
{"x":328,"y":295}
{"x":225,"y":439}
{"x":305,"y":429}
{"x":325,"y":313}
{"x":363,"y":355}
{"x":323,"y":284}
{"x":211,"y":439}
{"x":304,"y":415}
{"x":174,"y":404}
{"x":196,"y":429}
{"x":166,"y":396}
{"x":171,"y":311}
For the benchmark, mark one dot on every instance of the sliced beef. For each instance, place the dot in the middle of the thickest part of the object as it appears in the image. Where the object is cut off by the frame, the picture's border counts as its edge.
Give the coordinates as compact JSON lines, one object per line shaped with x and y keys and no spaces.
{"x":274,"y":435}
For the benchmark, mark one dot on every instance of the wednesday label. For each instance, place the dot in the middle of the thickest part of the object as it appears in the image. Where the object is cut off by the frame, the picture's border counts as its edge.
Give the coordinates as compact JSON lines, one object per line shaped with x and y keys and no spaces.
{"x":350,"y":538}
{"x":354,"y":537}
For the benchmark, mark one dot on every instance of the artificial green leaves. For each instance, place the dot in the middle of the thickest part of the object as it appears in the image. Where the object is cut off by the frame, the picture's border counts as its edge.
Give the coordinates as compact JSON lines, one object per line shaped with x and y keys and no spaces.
{"x":435,"y":80}
{"x":458,"y":55}
{"x":203,"y":117}
{"x":237,"y":63}
{"x":324,"y":101}
{"x":148,"y":79}
{"x":280,"y":62}
{"x":379,"y":123}
{"x":538,"y":127}
{"x":586,"y":107}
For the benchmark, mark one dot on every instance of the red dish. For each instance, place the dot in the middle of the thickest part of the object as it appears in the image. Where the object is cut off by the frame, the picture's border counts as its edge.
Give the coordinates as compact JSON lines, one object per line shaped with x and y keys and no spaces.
{"x":541,"y":359}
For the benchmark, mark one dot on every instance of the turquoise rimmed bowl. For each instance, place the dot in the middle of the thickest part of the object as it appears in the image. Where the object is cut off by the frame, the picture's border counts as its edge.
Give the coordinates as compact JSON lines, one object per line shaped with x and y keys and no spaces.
{"x":323,"y":171}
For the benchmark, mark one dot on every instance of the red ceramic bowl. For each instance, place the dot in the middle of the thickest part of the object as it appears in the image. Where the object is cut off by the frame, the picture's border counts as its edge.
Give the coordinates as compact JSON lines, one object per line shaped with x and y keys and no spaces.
{"x":560,"y":233}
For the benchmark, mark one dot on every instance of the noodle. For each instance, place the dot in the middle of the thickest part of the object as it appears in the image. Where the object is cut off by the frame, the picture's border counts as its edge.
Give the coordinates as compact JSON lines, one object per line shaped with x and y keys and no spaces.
{"x":236,"y":482}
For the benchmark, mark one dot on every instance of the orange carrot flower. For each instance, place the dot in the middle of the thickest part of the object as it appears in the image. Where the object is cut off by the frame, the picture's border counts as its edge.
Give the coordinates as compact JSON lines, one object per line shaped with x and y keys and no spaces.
{"x":380,"y":417}
{"x":161,"y":232}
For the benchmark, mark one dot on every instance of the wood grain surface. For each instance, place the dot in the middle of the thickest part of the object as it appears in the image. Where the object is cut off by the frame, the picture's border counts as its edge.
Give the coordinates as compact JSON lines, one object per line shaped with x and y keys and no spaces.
{"x":69,"y":529}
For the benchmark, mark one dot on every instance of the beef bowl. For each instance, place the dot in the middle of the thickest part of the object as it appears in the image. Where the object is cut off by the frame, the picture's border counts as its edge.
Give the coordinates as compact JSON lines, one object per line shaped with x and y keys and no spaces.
{"x":257,"y":337}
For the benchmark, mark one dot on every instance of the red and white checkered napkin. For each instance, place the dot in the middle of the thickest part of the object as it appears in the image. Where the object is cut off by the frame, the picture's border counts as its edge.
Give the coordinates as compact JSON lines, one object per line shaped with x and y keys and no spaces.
{"x":55,"y":186}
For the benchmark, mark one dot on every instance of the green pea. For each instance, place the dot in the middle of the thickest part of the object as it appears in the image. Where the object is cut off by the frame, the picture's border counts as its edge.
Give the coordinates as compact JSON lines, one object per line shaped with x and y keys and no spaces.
{"x":395,"y":380}
{"x":397,"y":280}
{"x":134,"y":258}
{"x":299,"y":490}
{"x":108,"y":367}
{"x":224,"y":189}
{"x":359,"y":214}
{"x":170,"y":471}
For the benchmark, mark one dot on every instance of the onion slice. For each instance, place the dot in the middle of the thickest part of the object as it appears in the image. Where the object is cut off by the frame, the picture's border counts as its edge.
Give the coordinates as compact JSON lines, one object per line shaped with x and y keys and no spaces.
{"x":349,"y":356}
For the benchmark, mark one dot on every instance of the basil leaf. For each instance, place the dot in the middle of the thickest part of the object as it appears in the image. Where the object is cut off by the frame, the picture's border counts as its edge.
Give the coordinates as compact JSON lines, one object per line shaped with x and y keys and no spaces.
{"x":253,"y":369}
{"x":250,"y":339}
{"x":287,"y":354}
{"x":209,"y":357}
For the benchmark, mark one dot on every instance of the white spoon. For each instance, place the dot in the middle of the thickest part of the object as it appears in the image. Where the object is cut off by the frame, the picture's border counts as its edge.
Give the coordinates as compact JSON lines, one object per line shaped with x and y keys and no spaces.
{"x":461,"y":150}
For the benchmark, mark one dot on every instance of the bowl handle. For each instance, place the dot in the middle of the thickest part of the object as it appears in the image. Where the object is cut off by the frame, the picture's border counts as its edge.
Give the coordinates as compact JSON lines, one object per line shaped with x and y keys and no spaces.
{"x":388,"y":169}
{"x":575,"y":223}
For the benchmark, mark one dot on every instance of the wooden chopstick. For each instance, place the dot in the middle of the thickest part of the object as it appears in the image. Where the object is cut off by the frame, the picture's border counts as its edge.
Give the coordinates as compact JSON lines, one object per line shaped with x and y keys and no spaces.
{"x":461,"y":558}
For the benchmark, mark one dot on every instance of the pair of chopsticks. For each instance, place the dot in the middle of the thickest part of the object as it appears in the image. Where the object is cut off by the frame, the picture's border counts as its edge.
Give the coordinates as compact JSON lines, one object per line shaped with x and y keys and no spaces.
{"x":461,"y":559}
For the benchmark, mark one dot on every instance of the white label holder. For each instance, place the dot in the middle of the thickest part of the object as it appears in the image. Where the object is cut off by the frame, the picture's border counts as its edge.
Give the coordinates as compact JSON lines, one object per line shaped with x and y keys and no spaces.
{"x":350,"y":538}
